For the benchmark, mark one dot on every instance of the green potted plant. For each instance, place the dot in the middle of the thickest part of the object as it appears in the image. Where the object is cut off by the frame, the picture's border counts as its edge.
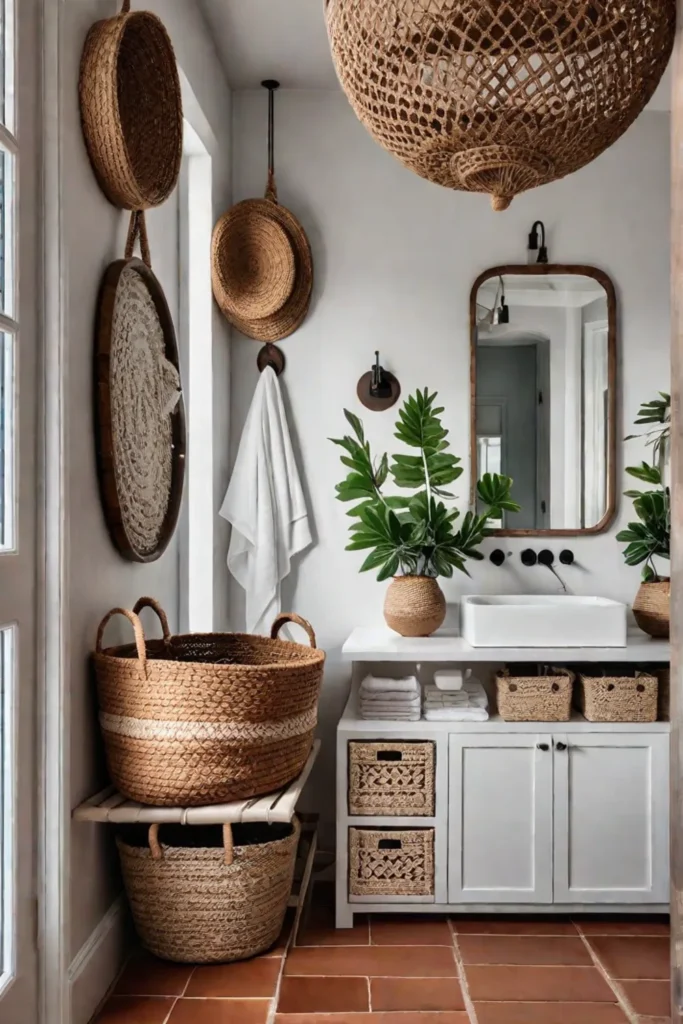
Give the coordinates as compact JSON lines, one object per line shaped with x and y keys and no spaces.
{"x":649,"y":538}
{"x":417,"y":538}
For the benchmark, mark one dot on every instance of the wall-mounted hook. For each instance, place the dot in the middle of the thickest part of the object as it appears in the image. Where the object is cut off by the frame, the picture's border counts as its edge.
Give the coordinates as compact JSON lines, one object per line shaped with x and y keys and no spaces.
{"x":378,"y":389}
{"x":271,"y":355}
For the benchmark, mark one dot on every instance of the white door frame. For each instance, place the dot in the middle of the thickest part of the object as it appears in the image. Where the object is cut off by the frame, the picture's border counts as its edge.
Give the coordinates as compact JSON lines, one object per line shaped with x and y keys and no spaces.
{"x":54,"y":812}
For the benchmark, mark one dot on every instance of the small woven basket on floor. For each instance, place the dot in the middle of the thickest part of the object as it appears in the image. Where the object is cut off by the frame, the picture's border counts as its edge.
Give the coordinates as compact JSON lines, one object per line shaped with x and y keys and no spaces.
{"x":618,"y":698}
{"x":206,"y":894}
{"x":131,"y":109}
{"x":528,"y":698}
{"x":206,"y":718}
{"x":391,"y":778}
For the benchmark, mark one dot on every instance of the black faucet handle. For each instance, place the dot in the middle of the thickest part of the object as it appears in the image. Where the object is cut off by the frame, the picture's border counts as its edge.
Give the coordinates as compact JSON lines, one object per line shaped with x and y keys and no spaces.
{"x":529,"y":557}
{"x":498,"y":557}
{"x":567,"y":557}
{"x":546,"y":558}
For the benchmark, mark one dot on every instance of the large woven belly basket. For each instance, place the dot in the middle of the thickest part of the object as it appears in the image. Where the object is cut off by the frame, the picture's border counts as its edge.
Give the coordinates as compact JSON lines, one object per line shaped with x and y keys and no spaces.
{"x":206,"y":718}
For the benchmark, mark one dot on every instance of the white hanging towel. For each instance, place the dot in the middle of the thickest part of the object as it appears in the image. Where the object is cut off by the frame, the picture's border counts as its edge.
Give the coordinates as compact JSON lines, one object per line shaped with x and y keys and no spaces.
{"x":265,"y":505}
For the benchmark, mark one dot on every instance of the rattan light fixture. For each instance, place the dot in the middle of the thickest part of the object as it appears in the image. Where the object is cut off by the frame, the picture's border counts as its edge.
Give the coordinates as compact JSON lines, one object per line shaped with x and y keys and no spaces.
{"x":499,"y":96}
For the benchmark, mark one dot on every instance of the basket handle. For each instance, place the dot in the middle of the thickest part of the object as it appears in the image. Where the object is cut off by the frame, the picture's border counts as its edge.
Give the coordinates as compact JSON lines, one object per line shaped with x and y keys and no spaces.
{"x":149,"y":602}
{"x":125,"y":7}
{"x":137,"y":229}
{"x":158,"y":853}
{"x":286,"y":617}
{"x":137,"y":629}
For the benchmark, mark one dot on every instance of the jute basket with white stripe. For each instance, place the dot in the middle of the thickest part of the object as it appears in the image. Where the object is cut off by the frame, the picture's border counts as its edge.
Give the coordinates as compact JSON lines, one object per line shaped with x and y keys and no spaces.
{"x":206,"y":718}
{"x":202,"y":894}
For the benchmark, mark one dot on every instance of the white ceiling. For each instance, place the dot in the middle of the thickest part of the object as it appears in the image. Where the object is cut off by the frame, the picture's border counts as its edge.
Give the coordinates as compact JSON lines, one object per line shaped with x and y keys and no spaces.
{"x":287,"y":40}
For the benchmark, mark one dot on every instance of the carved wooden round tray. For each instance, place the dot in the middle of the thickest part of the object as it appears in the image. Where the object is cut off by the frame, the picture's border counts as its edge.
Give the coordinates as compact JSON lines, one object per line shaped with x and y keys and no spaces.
{"x":139,"y":412}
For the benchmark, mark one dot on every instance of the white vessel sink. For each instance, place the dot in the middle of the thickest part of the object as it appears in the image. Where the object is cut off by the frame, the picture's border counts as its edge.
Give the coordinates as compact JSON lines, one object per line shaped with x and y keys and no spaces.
{"x":543,"y":621}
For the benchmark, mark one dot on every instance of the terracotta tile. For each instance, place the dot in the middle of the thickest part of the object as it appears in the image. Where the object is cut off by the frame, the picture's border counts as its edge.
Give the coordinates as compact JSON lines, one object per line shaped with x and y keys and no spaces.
{"x":650,"y":998}
{"x":145,"y":975}
{"x":549,"y":1013}
{"x":396,"y":930}
{"x":220,"y":1011}
{"x":456,"y":1017}
{"x":416,"y":994}
{"x":320,"y":930}
{"x":645,"y":925}
{"x":375,"y":961}
{"x":248,"y":979}
{"x":538,"y":984}
{"x":632,"y":957}
{"x":134,"y":1010}
{"x":539,"y":950}
{"x":654,"y":1020}
{"x":323,"y":995}
{"x":520,"y":925}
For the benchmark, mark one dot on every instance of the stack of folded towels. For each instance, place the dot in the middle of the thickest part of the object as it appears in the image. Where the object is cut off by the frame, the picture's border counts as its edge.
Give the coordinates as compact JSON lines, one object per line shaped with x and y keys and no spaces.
{"x":390,"y":699}
{"x":469,"y":703}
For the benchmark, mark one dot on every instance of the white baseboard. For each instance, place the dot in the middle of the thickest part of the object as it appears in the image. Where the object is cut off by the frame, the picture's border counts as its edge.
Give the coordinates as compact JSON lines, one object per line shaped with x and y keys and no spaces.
{"x":97,"y":963}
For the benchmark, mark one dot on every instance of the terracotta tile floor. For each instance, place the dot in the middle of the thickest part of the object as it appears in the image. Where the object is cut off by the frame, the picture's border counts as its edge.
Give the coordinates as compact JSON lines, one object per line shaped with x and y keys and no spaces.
{"x":418,"y":970}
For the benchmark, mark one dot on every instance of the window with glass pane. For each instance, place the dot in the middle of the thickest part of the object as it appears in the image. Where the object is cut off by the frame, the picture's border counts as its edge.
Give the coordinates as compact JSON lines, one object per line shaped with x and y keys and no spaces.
{"x":9,"y":344}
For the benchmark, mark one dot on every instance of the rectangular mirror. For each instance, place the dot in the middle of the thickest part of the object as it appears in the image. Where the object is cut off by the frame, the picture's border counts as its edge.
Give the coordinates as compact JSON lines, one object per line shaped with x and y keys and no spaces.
{"x":543,"y":394}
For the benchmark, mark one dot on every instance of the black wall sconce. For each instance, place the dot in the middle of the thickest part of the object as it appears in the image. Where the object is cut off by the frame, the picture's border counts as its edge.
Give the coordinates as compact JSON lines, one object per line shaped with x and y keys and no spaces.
{"x":538,"y":246}
{"x":501,"y":313}
{"x":378,"y":389}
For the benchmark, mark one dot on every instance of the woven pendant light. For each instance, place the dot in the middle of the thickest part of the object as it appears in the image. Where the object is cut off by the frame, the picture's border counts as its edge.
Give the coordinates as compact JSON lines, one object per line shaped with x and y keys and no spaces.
{"x":499,"y":96}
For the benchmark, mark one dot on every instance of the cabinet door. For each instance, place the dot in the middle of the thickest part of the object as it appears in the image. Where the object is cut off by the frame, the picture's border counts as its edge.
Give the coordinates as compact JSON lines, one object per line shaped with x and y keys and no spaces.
{"x":500,"y":819}
{"x":611,"y":818}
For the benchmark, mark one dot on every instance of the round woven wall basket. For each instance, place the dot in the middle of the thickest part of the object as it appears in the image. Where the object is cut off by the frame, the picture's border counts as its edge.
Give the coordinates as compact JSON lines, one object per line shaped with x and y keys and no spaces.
{"x":131,"y":109}
{"x":499,"y":96}
{"x":140,"y":417}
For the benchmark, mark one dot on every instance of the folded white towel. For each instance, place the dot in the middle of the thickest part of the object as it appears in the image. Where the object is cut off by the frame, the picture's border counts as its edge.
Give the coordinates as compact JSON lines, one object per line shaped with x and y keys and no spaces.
{"x":456,"y":715}
{"x":387,"y":705}
{"x":380,"y":684}
{"x":449,"y":679}
{"x":385,"y":716}
{"x":388,"y":697}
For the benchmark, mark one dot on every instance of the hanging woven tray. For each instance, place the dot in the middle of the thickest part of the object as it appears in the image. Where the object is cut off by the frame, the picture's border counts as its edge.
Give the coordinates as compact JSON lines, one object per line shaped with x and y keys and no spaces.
{"x":131,"y":109}
{"x":139,"y":412}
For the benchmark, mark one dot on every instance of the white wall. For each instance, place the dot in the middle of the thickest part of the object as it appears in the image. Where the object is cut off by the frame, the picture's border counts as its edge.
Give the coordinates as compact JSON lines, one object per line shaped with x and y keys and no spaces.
{"x":99,"y":578}
{"x":395,"y":259}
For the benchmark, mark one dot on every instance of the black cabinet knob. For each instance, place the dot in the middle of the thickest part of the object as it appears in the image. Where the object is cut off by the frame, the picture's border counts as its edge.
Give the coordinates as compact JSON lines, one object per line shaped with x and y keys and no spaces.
{"x":560,"y":746}
{"x":543,"y":746}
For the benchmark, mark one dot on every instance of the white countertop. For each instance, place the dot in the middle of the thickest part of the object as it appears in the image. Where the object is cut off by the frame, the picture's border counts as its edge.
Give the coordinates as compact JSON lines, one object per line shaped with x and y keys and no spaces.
{"x":382,"y":644}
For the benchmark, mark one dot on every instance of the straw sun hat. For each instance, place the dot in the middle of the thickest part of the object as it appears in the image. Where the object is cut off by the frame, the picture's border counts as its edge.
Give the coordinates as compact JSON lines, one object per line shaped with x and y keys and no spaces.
{"x":261,"y":263}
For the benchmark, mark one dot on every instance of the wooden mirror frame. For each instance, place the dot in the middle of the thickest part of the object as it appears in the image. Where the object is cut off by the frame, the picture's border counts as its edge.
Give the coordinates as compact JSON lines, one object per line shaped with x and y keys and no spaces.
{"x":543,"y":270}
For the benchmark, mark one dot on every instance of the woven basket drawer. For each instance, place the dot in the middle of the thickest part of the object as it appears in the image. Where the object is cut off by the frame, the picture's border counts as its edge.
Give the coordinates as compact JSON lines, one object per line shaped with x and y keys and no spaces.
{"x":618,"y":698}
{"x":391,"y":779}
{"x":391,"y":862}
{"x":546,"y":698}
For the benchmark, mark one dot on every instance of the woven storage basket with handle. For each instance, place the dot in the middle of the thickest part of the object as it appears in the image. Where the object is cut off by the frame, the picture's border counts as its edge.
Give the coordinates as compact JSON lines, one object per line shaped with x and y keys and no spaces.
{"x":206,"y":894}
{"x":618,"y":698}
{"x":391,"y":779}
{"x":391,"y":862}
{"x":206,"y":718}
{"x":131,"y":109}
{"x":529,"y":698}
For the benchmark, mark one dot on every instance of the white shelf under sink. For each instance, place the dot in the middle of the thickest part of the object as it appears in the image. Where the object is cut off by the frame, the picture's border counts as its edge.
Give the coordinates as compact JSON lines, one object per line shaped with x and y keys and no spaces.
{"x":382,"y":644}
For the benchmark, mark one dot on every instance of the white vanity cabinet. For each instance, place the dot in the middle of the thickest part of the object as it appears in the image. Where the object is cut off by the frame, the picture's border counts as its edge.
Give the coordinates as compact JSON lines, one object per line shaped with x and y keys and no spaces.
{"x":611,"y":817}
{"x":528,"y":817}
{"x":500,"y":818}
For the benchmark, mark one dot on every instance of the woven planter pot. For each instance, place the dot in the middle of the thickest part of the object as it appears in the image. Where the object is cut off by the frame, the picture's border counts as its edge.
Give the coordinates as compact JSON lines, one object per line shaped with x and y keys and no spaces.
{"x":206,"y":894}
{"x":206,"y":718}
{"x":414,"y":605}
{"x":651,"y":608}
{"x":131,"y":109}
